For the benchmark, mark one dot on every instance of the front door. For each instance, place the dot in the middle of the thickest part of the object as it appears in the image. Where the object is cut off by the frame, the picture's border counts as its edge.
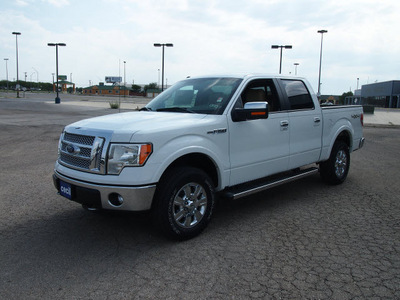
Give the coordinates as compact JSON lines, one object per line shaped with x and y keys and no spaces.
{"x":259,"y":148}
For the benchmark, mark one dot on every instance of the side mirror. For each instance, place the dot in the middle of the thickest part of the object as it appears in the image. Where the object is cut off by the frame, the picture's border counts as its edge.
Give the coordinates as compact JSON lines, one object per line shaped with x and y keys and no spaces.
{"x":251,"y":111}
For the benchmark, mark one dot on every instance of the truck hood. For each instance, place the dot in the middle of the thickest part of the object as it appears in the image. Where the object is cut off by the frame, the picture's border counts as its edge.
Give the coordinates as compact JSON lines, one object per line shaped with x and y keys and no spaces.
{"x":125,"y":125}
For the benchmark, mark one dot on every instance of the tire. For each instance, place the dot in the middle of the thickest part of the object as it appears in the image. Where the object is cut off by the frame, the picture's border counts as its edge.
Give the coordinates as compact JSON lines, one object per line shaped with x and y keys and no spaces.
{"x":184,"y":203}
{"x":334,"y":171}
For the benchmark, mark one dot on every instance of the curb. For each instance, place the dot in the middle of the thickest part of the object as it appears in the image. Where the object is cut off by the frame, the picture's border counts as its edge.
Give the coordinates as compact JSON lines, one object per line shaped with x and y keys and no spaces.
{"x":370,"y":125}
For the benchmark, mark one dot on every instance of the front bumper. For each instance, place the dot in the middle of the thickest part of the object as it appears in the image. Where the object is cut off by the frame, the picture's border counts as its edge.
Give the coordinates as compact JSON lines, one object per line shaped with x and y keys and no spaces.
{"x":135,"y":198}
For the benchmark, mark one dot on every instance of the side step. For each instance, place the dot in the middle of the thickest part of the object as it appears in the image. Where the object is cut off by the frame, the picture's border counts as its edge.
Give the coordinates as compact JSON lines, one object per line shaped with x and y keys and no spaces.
{"x":253,"y":187}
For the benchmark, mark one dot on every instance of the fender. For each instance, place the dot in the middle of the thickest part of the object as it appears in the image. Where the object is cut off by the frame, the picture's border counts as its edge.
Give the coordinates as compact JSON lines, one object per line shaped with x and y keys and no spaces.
{"x":329,"y":138}
{"x":213,"y":146}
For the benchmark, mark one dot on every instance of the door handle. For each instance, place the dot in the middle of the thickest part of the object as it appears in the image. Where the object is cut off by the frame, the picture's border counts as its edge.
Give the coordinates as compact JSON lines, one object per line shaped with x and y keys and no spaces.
{"x":284,"y":123}
{"x":317,"y":119}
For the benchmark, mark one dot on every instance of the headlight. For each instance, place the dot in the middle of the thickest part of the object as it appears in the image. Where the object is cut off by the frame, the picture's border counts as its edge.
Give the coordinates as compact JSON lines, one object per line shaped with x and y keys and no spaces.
{"x":60,"y":144}
{"x":127,"y":155}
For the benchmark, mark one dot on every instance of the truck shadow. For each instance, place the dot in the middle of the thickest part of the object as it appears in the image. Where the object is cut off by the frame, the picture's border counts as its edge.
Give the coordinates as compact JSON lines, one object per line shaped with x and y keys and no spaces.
{"x":72,"y":245}
{"x":266,"y":208}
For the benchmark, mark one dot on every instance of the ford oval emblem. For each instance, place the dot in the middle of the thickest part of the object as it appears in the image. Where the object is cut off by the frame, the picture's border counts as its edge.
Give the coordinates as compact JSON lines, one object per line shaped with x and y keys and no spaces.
{"x":72,"y":149}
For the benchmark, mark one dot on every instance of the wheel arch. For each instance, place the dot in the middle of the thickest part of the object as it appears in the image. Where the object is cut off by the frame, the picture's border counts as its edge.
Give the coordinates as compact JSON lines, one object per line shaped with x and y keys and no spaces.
{"x":196,"y":160}
{"x":345,"y":136}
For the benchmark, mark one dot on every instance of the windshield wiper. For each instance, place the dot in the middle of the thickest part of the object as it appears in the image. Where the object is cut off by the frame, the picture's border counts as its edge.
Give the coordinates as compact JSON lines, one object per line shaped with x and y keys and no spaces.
{"x":177,"y":109}
{"x":144,"y":108}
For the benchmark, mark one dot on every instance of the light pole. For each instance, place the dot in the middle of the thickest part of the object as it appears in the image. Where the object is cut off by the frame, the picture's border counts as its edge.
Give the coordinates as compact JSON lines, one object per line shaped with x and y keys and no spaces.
{"x":6,"y":59}
{"x":57,"y":100}
{"x":320,"y":61}
{"x":162,"y":67}
{"x":124,"y":78}
{"x":295,"y":68}
{"x":37,"y":77}
{"x":281,"y":47}
{"x":158,"y":81}
{"x":16,"y":47}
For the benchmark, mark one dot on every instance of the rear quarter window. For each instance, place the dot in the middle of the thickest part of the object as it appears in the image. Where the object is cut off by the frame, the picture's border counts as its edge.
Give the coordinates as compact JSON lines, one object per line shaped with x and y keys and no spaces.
{"x":298,"y":95}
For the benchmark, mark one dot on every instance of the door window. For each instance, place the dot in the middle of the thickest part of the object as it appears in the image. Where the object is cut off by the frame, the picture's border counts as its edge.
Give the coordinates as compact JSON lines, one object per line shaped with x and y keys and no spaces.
{"x":298,"y":95}
{"x":260,"y":90}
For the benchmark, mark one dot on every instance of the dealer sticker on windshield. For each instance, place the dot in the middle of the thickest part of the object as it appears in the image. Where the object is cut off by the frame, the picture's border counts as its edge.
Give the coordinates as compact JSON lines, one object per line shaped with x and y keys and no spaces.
{"x":65,"y":189}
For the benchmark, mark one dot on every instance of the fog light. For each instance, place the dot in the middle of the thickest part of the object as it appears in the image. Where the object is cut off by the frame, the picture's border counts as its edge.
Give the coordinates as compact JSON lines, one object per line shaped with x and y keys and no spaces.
{"x":115,"y":199}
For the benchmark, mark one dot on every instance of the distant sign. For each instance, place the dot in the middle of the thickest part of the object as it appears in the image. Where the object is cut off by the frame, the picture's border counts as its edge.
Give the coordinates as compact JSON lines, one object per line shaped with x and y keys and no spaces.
{"x":113,"y":79}
{"x":62,"y":77}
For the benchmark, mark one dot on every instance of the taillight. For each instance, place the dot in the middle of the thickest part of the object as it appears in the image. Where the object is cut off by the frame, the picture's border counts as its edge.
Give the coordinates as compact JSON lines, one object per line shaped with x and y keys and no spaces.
{"x":362,"y":119}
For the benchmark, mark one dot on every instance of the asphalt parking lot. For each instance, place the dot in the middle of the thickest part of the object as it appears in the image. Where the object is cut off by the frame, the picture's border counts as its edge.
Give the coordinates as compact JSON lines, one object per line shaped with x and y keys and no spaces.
{"x":305,"y":240}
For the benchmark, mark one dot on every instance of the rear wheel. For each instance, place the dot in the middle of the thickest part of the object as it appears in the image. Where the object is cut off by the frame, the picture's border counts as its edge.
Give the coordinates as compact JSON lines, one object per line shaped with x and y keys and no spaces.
{"x":336,"y":168}
{"x":184,"y":202}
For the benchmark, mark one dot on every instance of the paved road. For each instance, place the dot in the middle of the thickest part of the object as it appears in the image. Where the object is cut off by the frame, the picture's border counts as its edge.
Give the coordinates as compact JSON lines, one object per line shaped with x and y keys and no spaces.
{"x":305,"y":240}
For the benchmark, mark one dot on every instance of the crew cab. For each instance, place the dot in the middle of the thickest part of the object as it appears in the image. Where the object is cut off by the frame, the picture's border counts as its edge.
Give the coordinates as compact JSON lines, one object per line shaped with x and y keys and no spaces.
{"x":225,"y":136}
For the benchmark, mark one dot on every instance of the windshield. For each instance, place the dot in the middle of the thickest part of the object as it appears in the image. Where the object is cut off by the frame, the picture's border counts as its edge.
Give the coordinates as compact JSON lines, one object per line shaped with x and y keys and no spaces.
{"x":202,"y":95}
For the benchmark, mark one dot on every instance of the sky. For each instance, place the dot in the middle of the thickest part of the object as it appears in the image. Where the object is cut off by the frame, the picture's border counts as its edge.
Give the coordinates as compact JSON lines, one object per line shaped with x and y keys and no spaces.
{"x":209,"y":37}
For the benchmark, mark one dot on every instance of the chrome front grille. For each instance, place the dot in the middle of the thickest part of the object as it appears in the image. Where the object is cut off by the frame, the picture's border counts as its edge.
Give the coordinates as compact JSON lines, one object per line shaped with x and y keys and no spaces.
{"x":82,"y":152}
{"x":77,"y":162}
{"x":79,"y":139}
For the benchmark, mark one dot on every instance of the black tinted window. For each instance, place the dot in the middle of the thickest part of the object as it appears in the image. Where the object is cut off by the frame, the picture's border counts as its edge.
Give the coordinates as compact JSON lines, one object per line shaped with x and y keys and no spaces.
{"x":298,"y":95}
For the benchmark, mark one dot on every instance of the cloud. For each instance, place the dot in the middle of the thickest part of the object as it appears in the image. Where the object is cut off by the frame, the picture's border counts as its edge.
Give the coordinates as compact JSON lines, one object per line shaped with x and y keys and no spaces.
{"x":21,"y":3}
{"x":217,"y":36}
{"x":58,"y":3}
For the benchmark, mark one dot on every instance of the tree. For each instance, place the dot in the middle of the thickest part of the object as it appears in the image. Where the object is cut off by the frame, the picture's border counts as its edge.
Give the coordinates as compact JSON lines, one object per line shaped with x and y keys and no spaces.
{"x":344,"y":95}
{"x":150,"y":86}
{"x":136,"y":88}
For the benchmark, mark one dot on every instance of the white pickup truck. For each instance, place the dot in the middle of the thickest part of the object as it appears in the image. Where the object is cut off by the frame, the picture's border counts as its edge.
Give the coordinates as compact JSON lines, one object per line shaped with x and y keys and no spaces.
{"x":229,"y":136}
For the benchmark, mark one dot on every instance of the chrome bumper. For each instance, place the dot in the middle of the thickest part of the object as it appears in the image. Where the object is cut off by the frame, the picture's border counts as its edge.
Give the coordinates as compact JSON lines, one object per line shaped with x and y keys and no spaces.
{"x":361,"y":144}
{"x":135,"y":198}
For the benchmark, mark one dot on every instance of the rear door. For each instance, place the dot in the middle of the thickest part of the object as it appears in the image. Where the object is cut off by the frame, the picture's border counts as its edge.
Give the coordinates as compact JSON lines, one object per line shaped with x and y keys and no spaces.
{"x":305,"y":124}
{"x":259,"y":148}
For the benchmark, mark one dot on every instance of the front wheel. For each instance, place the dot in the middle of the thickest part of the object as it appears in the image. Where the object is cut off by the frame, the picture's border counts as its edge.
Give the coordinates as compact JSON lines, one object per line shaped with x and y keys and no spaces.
{"x":335,"y":169}
{"x":184,"y":202}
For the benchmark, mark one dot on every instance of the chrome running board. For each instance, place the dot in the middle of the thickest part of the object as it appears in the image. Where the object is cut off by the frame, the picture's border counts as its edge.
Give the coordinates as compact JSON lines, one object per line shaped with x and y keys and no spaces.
{"x":270,"y":182}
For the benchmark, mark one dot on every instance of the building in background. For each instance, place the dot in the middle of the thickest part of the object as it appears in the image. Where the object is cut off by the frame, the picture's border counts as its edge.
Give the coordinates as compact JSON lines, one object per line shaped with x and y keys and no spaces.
{"x":382,"y":94}
{"x":105,"y":90}
{"x":63,"y":84}
{"x":379,"y":94}
{"x":329,"y":99}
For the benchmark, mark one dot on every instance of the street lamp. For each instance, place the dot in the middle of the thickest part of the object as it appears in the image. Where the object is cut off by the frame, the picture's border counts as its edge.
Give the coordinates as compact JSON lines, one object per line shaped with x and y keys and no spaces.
{"x":16,"y":47}
{"x":320,"y":61}
{"x":57,"y":100}
{"x":162,"y":68}
{"x":6,"y":59}
{"x":124,"y":78}
{"x":37,"y":76}
{"x":295,"y":68}
{"x":281,"y":47}
{"x":158,"y":81}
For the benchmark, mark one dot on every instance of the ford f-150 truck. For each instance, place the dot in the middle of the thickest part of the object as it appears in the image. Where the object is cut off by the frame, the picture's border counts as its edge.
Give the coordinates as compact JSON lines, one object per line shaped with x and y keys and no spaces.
{"x":229,"y":136}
